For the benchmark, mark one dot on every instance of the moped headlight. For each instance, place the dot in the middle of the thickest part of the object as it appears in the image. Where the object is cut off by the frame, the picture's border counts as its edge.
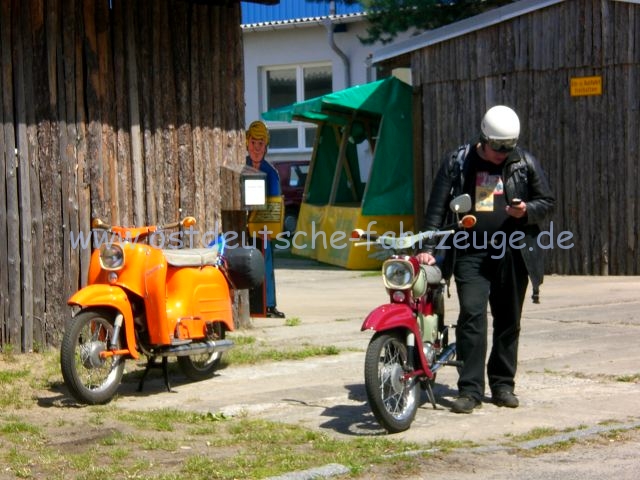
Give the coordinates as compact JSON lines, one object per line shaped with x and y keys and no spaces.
{"x":111,"y":257}
{"x":398,"y":274}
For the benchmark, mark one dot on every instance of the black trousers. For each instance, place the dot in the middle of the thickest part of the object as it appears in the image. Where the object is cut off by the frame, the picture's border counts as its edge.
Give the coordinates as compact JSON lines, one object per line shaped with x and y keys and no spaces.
{"x":502,"y":284}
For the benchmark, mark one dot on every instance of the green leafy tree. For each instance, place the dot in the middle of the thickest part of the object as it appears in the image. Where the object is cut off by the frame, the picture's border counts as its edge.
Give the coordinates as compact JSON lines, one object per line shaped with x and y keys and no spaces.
{"x":390,"y":17}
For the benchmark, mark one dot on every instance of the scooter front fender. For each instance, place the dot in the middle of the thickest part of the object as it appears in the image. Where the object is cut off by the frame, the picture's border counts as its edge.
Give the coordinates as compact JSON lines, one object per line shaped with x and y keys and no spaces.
{"x":101,"y":295}
{"x":391,"y":316}
{"x":398,"y":316}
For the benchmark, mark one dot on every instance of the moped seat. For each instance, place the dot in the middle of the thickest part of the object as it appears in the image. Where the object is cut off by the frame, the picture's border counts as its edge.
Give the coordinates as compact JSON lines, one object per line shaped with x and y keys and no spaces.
{"x":191,"y":257}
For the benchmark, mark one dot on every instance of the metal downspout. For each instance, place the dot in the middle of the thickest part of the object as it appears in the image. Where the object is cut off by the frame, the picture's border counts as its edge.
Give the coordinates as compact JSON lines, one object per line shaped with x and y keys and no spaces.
{"x":345,"y":60}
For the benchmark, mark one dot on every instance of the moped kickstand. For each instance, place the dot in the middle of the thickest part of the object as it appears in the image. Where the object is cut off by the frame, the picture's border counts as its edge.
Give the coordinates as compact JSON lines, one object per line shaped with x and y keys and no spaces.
{"x":151,"y":363}
{"x":430,"y":394}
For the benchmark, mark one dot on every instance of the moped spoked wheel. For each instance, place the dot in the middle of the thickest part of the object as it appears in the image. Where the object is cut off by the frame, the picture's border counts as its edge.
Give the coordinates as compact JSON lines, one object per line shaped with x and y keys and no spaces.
{"x":199,"y":367}
{"x":393,"y":401}
{"x":202,"y":367}
{"x":90,"y":378}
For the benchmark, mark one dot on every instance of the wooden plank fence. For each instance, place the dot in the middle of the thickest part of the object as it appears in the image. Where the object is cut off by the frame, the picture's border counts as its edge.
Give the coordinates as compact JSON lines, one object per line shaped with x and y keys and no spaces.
{"x":588,"y":145}
{"x":119,"y":109}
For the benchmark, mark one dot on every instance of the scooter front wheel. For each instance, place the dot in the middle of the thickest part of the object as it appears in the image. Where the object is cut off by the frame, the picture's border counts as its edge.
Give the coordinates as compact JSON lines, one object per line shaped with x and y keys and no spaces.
{"x":90,"y":378}
{"x":393,"y":400}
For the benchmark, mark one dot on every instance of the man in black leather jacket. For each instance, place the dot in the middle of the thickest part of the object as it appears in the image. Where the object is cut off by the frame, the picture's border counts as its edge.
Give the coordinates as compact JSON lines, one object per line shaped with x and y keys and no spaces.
{"x":492,"y":261}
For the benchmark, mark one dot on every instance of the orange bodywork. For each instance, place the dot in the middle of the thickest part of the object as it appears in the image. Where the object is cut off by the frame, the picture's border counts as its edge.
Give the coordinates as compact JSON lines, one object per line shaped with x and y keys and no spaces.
{"x":101,"y":295}
{"x":178,"y":301}
{"x":195,"y":295}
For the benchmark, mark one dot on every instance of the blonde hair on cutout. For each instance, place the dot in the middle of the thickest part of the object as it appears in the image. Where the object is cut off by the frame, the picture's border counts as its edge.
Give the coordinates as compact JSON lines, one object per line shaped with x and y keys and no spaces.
{"x":258,"y":130}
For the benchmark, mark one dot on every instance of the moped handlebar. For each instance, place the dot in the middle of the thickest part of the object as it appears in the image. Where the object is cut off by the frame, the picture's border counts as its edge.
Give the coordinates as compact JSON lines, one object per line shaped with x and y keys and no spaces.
{"x":405,"y":242}
{"x":141,"y":232}
{"x":186,"y":222}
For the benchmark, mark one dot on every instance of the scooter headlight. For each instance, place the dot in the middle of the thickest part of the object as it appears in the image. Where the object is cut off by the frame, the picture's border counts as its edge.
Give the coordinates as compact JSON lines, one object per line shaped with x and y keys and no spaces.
{"x":111,"y":257}
{"x":398,"y":274}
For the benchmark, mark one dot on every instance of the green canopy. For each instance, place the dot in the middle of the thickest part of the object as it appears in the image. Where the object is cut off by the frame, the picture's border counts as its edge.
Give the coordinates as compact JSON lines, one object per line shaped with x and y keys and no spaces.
{"x":378,"y":175}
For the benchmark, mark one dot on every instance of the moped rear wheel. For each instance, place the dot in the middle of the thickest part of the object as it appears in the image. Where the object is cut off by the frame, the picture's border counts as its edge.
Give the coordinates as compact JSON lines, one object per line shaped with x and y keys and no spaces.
{"x":89,"y":377}
{"x":202,"y":367}
{"x":199,"y":367}
{"x":393,"y":400}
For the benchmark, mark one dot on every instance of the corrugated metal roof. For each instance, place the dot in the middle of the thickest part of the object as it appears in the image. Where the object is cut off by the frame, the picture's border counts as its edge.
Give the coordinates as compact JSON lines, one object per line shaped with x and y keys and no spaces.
{"x":302,"y":22}
{"x":462,"y":27}
{"x":287,"y":11}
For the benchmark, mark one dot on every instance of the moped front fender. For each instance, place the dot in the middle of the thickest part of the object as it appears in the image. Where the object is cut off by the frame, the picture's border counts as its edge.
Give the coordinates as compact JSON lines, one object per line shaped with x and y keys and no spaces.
{"x":391,"y":316}
{"x":101,"y":295}
{"x":394,"y":316}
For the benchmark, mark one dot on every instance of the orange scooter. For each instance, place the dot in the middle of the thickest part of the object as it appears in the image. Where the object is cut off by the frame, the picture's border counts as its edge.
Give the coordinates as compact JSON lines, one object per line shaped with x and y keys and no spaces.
{"x":158,"y":302}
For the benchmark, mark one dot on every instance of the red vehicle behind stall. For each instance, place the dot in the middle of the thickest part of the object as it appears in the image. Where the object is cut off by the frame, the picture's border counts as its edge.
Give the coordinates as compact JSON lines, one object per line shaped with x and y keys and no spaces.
{"x":293,"y":175}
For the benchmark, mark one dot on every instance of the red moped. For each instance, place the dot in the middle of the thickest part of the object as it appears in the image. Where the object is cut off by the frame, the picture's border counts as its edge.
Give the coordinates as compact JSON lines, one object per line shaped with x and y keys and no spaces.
{"x":411,"y":339}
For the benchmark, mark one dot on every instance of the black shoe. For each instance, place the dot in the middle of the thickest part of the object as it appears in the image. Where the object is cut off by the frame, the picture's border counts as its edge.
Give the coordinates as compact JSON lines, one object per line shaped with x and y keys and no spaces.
{"x":465,"y":404}
{"x":505,"y":398}
{"x":273,"y":312}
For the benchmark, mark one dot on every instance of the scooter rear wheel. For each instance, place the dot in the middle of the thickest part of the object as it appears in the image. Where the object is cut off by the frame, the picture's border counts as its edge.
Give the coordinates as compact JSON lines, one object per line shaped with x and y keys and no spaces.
{"x":199,"y":367}
{"x":393,"y":401}
{"x":202,"y":367}
{"x":90,"y":378}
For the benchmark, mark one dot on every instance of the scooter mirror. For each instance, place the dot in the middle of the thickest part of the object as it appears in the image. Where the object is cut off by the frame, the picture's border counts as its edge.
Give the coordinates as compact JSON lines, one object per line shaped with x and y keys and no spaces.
{"x":461,"y":203}
{"x":188,"y":222}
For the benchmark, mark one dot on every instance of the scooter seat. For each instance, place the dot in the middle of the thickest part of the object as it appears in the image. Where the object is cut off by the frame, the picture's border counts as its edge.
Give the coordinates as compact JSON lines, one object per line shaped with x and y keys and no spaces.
{"x":191,"y":257}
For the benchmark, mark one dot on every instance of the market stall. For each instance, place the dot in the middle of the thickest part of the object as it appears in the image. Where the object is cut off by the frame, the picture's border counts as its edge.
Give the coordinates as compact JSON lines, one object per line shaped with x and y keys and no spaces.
{"x":361,"y":172}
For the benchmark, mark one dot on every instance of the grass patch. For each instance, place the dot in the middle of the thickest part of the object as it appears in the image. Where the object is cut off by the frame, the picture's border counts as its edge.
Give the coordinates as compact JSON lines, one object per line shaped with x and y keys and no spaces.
{"x":166,"y":420}
{"x":630,"y":378}
{"x":240,"y":340}
{"x":105,"y":442}
{"x":8,"y":377}
{"x":292,"y":322}
{"x":554,"y":447}
{"x":535,"y":434}
{"x":267,"y":449}
{"x":17,"y":382}
{"x":257,"y":354}
{"x":448,"y":445}
{"x":43,"y":436}
{"x":248,"y":351}
{"x":371,"y":273}
{"x":19,"y":427}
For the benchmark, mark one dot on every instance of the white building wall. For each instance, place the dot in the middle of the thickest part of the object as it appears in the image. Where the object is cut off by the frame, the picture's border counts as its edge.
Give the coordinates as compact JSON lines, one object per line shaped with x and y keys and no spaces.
{"x":295,"y":44}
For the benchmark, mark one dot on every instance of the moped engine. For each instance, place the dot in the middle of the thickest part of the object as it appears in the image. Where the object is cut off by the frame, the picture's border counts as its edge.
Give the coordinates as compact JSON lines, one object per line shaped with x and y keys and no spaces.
{"x":429,"y":328}
{"x":429,"y":352}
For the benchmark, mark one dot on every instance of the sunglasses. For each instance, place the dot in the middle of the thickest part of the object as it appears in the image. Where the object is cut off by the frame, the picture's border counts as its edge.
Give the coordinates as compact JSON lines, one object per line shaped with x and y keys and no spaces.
{"x":502,"y":146}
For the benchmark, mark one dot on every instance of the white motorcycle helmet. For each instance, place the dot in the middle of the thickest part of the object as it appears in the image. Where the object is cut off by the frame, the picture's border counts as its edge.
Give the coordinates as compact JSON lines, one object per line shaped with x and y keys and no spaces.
{"x":500,"y":128}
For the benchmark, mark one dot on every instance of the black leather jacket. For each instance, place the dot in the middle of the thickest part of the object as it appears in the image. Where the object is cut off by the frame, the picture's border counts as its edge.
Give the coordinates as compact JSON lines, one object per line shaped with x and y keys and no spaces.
{"x":522,"y":178}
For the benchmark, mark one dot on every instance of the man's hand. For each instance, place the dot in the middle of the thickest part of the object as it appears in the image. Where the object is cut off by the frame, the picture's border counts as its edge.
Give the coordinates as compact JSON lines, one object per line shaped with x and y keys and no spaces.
{"x":517,"y":211}
{"x":426,"y":258}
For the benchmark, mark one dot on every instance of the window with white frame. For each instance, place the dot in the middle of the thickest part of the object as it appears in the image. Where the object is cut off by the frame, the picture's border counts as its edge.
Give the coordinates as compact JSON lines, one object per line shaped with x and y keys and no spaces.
{"x":285,"y":85}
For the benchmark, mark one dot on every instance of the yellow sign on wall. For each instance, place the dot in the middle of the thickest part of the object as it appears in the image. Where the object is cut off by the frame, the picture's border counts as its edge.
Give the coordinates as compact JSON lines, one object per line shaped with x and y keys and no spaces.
{"x":585,"y":86}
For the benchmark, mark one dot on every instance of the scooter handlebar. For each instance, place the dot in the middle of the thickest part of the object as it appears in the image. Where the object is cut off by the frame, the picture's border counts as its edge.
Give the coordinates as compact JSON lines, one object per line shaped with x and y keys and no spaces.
{"x":188,"y":222}
{"x":405,"y":241}
{"x":141,"y":232}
